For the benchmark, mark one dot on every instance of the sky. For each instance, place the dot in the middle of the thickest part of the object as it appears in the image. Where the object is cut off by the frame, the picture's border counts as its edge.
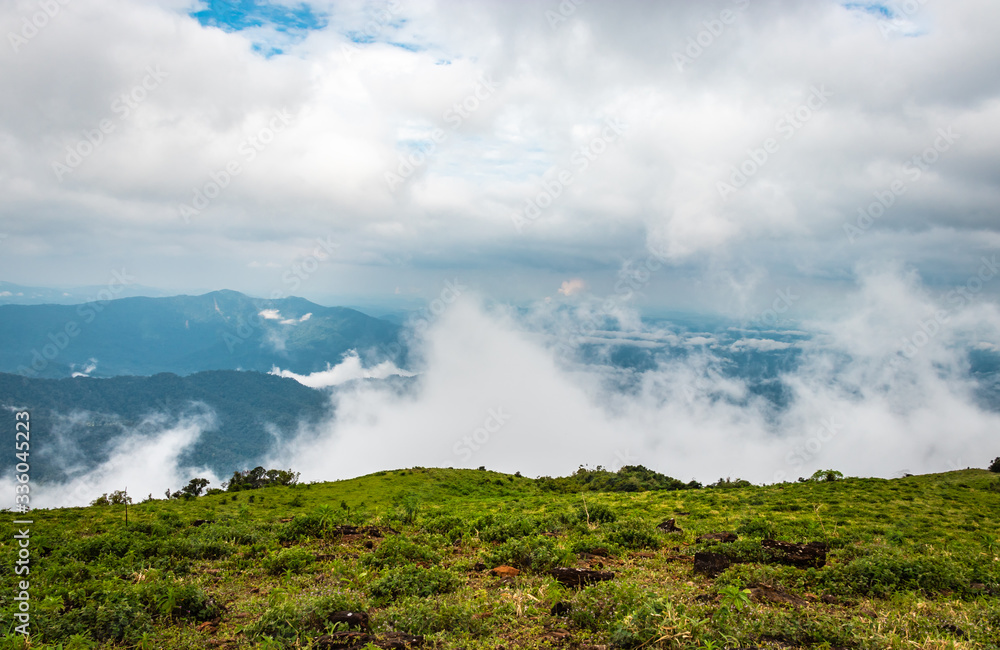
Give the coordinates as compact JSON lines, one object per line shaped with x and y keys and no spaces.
{"x":373,"y":151}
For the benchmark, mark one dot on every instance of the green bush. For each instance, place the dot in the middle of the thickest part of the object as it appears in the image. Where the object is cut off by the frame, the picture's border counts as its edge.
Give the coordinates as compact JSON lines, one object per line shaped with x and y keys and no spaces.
{"x":598,"y":606}
{"x":431,"y":615}
{"x":413,"y":580}
{"x":296,"y":560}
{"x":290,"y":620}
{"x":398,"y":551}
{"x":596,"y":513}
{"x":886,"y":573}
{"x":756,"y":527}
{"x":534,"y":553}
{"x":633,"y":534}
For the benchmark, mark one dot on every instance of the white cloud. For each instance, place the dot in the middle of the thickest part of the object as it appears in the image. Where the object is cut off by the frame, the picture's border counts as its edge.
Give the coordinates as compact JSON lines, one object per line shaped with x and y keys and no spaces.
{"x":349,"y":369}
{"x":764,"y":345}
{"x":857,"y":404}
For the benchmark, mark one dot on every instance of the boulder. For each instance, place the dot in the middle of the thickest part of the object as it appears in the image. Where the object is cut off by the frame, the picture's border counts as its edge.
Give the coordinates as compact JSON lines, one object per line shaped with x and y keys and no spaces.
{"x":571,"y":577}
{"x":669,"y":526}
{"x":812,"y":554}
{"x":504,"y":571}
{"x":710,"y":564}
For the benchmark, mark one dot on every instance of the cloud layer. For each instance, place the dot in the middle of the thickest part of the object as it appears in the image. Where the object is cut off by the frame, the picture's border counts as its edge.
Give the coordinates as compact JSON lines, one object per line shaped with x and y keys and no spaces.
{"x":610,"y":127}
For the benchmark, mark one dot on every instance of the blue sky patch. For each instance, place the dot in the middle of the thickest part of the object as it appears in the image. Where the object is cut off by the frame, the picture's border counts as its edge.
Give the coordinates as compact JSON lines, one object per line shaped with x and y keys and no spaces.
{"x":237,"y":15}
{"x":875,"y":8}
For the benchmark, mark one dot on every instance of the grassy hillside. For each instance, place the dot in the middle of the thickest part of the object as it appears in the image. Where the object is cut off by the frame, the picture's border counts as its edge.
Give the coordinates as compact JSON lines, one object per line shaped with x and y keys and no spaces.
{"x":912,"y":563}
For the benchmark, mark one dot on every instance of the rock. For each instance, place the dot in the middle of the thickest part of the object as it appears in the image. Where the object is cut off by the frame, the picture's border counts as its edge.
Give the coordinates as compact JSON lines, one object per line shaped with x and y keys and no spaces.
{"x":830,"y":600}
{"x":669,"y":526}
{"x":803,"y":556}
{"x":356,"y":620}
{"x":765,"y":594}
{"x":710,"y":564}
{"x":479,"y":566}
{"x":571,"y":577}
{"x":724,"y":538}
{"x":504,"y":571}
{"x":561,"y":608}
{"x":201,"y":522}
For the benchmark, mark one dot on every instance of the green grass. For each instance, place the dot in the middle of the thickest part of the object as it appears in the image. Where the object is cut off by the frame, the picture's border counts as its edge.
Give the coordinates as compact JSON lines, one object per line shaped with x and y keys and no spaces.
{"x":913,"y":563}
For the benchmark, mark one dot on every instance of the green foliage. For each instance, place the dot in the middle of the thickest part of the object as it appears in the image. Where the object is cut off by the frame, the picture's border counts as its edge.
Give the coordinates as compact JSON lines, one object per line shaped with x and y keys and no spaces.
{"x":826,"y":475}
{"x":535,"y":553}
{"x":116,"y":498}
{"x":308,"y":616}
{"x":398,"y":551}
{"x":596,"y":513}
{"x":630,"y":478}
{"x":756,"y":527}
{"x":434,"y":615}
{"x":295,"y":560}
{"x":729,"y":484}
{"x":887,"y":572}
{"x":656,"y":621}
{"x":633,"y":534}
{"x":258,"y":477}
{"x":995,"y":465}
{"x":597,"y":607}
{"x":412,"y":580}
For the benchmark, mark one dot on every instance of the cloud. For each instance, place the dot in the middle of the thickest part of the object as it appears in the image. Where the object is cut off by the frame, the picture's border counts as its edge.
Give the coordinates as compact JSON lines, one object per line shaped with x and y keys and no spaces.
{"x":269,"y":314}
{"x":764,"y":345}
{"x":145,"y":463}
{"x":349,"y":369}
{"x":569,"y":287}
{"x":856,"y":403}
{"x":360,"y":102}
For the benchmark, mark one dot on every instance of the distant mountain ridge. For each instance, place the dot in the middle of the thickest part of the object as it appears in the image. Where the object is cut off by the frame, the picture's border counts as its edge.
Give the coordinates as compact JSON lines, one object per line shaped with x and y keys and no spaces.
{"x":221,"y":330}
{"x":77,"y":422}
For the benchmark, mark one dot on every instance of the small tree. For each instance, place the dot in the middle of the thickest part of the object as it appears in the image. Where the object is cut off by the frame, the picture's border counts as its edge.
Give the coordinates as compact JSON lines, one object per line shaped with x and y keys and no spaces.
{"x":826,"y":475}
{"x":995,"y":465}
{"x":195,"y":486}
{"x":116,"y":498}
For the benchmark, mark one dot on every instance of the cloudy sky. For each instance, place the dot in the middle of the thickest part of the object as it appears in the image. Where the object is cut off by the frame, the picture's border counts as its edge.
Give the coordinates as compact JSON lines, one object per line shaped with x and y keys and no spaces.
{"x":340,"y":150}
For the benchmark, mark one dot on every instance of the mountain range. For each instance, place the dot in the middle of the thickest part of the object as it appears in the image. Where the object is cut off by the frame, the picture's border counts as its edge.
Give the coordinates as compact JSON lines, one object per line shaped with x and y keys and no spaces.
{"x":221,"y":330}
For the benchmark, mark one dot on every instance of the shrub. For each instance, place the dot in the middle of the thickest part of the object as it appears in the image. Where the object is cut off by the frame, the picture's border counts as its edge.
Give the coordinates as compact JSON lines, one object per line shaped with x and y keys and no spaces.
{"x":596,"y":513}
{"x":412,"y":580}
{"x":756,"y":527}
{"x":633,"y":534}
{"x":995,"y":465}
{"x":596,"y":607}
{"x":296,"y":560}
{"x":431,"y":615}
{"x":289,"y":620}
{"x":534,"y":553}
{"x":398,"y":551}
{"x":654,"y":621}
{"x":884,"y":574}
